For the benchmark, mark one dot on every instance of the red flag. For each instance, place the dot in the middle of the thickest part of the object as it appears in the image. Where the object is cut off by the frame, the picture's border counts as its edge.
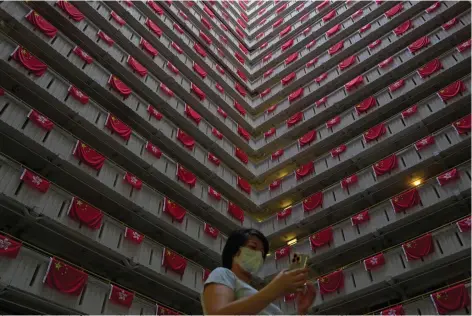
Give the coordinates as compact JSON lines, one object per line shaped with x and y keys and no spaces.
{"x":396,"y":85}
{"x":270,"y":132}
{"x":288,"y":78}
{"x":294,"y":119}
{"x":276,"y":154}
{"x":161,"y":310}
{"x":348,"y":62}
{"x":197,"y":91}
{"x":119,"y":86}
{"x":65,"y":278}
{"x":148,"y":47}
{"x":385,"y":165}
{"x":70,"y":10}
{"x":85,"y":213}
{"x":448,"y":176}
{"x":332,"y":282}
{"x":448,"y":25}
{"x":307,"y":138}
{"x":451,"y":90}
{"x":221,"y":112}
{"x":405,"y":200}
{"x":310,"y":44}
{"x":136,"y":66}
{"x":29,"y":62}
{"x":357,"y":14}
{"x":241,"y":155}
{"x":333,"y":30}
{"x":305,"y":170}
{"x":354,"y":83}
{"x":360,"y":218}
{"x":425,"y":142}
{"x":183,"y":15}
{"x":176,"y":47}
{"x":365,"y":28}
{"x":410,"y":111}
{"x":374,"y":133}
{"x":322,"y":101}
{"x":322,"y":5}
{"x":243,"y":133}
{"x":213,"y":159}
{"x":321,"y":77}
{"x":9,"y":248}
{"x":291,"y":58}
{"x":282,"y":252}
{"x":396,"y":310}
{"x":281,"y":8}
{"x":333,"y":122}
{"x":199,"y":50}
{"x":335,"y":152}
{"x":241,"y":74}
{"x":265,"y":92}
{"x":243,"y":48}
{"x":206,"y":23}
{"x":464,"y":225}
{"x":239,"y":57}
{"x":402,"y":28}
{"x":214,"y":194}
{"x":174,"y":262}
{"x":121,"y":296}
{"x":155,"y":113}
{"x":129,"y":3}
{"x":300,"y":6}
{"x":236,"y":212}
{"x":153,"y":150}
{"x":346,"y":182}
{"x":155,"y":7}
{"x":78,"y":95}
{"x":307,"y":30}
{"x":40,"y":120}
{"x":205,"y":274}
{"x":210,"y":231}
{"x":186,"y":176}
{"x":267,"y":57}
{"x":374,"y":262}
{"x":433,"y":7}
{"x":208,"y":11}
{"x":174,"y":210}
{"x":41,"y":24}
{"x":153,"y":27}
{"x":419,"y":247}
{"x":35,"y":181}
{"x":133,"y":181}
{"x":82,"y":55}
{"x":271,"y":108}
{"x":313,"y":201}
{"x":278,"y":23}
{"x":240,"y":89}
{"x":268,"y":72}
{"x":321,"y":238}
{"x":419,"y":44}
{"x":366,"y":105}
{"x":262,"y":22}
{"x":394,"y":10}
{"x":107,"y":39}
{"x":287,"y":45}
{"x":285,"y":31}
{"x":217,"y":133}
{"x":185,"y":139}
{"x":464,"y":46}
{"x":192,"y":114}
{"x":263,"y":45}
{"x":295,"y":95}
{"x":205,"y":38}
{"x":336,"y":48}
{"x":118,"y":127}
{"x":220,"y":69}
{"x":117,"y":18}
{"x":451,"y":299}
{"x":244,"y":185}
{"x":329,"y":16}
{"x":375,"y":43}
{"x":284,"y":213}
{"x":430,"y":68}
{"x":290,"y":297}
{"x":88,"y":155}
{"x":172,"y":68}
{"x":219,"y":88}
{"x":462,"y":126}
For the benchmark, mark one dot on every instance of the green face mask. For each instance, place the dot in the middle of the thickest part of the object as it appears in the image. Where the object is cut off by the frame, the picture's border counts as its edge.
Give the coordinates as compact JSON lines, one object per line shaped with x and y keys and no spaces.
{"x":249,"y":260}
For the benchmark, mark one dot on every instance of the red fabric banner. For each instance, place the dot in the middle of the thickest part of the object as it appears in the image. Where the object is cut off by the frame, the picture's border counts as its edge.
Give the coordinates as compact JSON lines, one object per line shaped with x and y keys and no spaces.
{"x":403,"y":28}
{"x":161,"y":310}
{"x":375,"y":43}
{"x":464,"y":225}
{"x":332,"y":282}
{"x":354,"y":83}
{"x":394,"y":10}
{"x":405,"y":200}
{"x":243,"y":133}
{"x":117,"y":18}
{"x":70,"y":10}
{"x":217,"y":133}
{"x":121,"y":296}
{"x":267,"y":58}
{"x":268,"y":72}
{"x":185,"y":139}
{"x":419,"y":44}
{"x":88,"y":155}
{"x":433,"y":7}
{"x":462,"y":126}
{"x":205,"y":38}
{"x":210,"y":231}
{"x":451,"y":23}
{"x":118,"y":127}
{"x":41,"y":24}
{"x":284,"y":213}
{"x":295,"y":119}
{"x":107,"y":39}
{"x":239,"y":57}
{"x":206,"y":23}
{"x":366,"y":105}
{"x":275,"y":184}
{"x":285,"y":31}
{"x":410,"y":111}
{"x":464,"y":46}
{"x":153,"y":150}
{"x":386,"y":62}
{"x":8,"y":247}
{"x":281,"y":8}
{"x":310,"y":44}
{"x":313,"y":201}
{"x":148,"y":47}
{"x":322,"y":5}
{"x":200,"y":50}
{"x":418,"y":248}
{"x":240,"y":89}
{"x":329,"y":16}
{"x":35,"y":181}
{"x":192,"y":114}
{"x":65,"y":278}
{"x":348,"y":62}
{"x":271,"y":108}
{"x":241,"y":74}
{"x":213,"y":159}
{"x":157,"y":9}
{"x":174,"y":262}
{"x":208,"y":11}
{"x":305,"y":170}
{"x":221,"y":112}
{"x":448,"y":177}
{"x":220,"y":69}
{"x":365,"y":28}
{"x":176,"y":48}
{"x":197,"y":91}
{"x":359,"y":218}
{"x":336,"y":48}
{"x":321,"y":101}
{"x":307,"y":138}
{"x":214,"y":194}
{"x":278,"y":23}
{"x":29,"y":62}
{"x":186,"y":176}
{"x":396,"y":310}
{"x":265,"y":92}
{"x":119,"y":86}
{"x":335,"y":152}
{"x":133,"y":181}
{"x":85,"y":213}
{"x":244,"y":185}
{"x":321,"y":238}
{"x":288,"y":78}
{"x":82,"y":55}
{"x":430,"y":68}
{"x":333,"y":30}
{"x":291,"y":58}
{"x":385,"y":165}
{"x":241,"y":155}
{"x":452,"y":90}
{"x":219,"y":88}
{"x":172,"y":68}
{"x":287,"y":45}
{"x":78,"y":95}
{"x":155,"y":113}
{"x":374,"y":133}
{"x":396,"y":85}
{"x":321,"y":77}
{"x":40,"y":120}
{"x":374,"y":262}
{"x":236,"y":212}
{"x":307,"y":31}
{"x":357,"y":14}
{"x":282,"y":252}
{"x":348,"y":181}
{"x":174,"y":210}
{"x":278,"y":153}
{"x":451,"y":299}
{"x":295,"y":95}
{"x":425,"y":142}
{"x":177,"y":27}
{"x":333,"y":122}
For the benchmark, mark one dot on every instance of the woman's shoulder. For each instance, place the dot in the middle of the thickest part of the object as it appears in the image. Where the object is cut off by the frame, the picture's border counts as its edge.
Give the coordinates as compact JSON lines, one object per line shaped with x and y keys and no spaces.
{"x":221,"y":275}
{"x":222,"y":271}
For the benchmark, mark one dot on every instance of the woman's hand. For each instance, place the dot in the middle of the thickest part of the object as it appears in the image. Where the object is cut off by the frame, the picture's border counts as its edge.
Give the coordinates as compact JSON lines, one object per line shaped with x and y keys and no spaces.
{"x":288,"y":281}
{"x":306,"y":298}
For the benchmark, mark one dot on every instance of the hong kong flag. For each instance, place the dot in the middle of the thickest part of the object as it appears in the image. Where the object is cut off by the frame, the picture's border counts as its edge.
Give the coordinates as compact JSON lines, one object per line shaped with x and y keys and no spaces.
{"x":133,"y":236}
{"x":154,"y":112}
{"x":65,"y":278}
{"x":451,"y":299}
{"x":374,"y":133}
{"x":366,"y":105}
{"x":403,"y":28}
{"x":174,"y":262}
{"x":385,"y":165}
{"x":244,"y":185}
{"x":271,"y":108}
{"x":452,"y":90}
{"x":394,"y":10}
{"x":448,"y":177}
{"x":464,"y":46}
{"x":192,"y":114}
{"x":172,"y":68}
{"x":321,"y":238}
{"x":132,"y":180}
{"x":265,"y":92}
{"x":214,"y":194}
{"x":88,"y":155}
{"x":430,"y":68}
{"x":374,"y":262}
{"x":312,"y":62}
{"x":335,"y":152}
{"x":305,"y":170}
{"x":29,"y":62}
{"x":310,"y":44}
{"x":222,"y":113}
{"x":117,"y":18}
{"x":177,"y":27}
{"x":288,"y":78}
{"x":153,"y":27}
{"x":241,"y":155}
{"x":284,"y":213}
{"x":70,"y":10}
{"x":448,"y":25}
{"x":276,"y":154}
{"x":365,"y":28}
{"x":216,"y":133}
{"x":287,"y":45}
{"x":240,"y":89}
{"x":120,"y":296}
{"x":360,"y":218}
{"x":275,"y":184}
{"x":396,"y":85}
{"x":82,"y":55}
{"x":186,"y":176}
{"x":282,"y":252}
{"x":285,"y":31}
{"x":40,"y":120}
{"x":419,"y":44}
{"x":375,"y":43}
{"x":433,"y":7}
{"x":153,"y":150}
{"x":295,"y":95}
{"x":107,"y":39}
{"x":270,"y":132}
{"x":332,"y":282}
{"x":329,"y":16}
{"x":241,"y":75}
{"x":322,"y":5}
{"x":176,"y":48}
{"x":425,"y":142}
{"x":213,"y":159}
{"x":236,"y":212}
{"x":118,"y":127}
{"x":154,"y":6}
{"x":307,"y":138}
{"x":357,"y":14}
{"x":208,"y":11}
{"x":243,"y":133}
{"x":8,"y":247}
{"x":197,"y":91}
{"x":278,"y":23}
{"x":346,"y":182}
{"x":333,"y":30}
{"x":462,"y":126}
{"x":136,"y":66}
{"x":348,"y":62}
{"x":199,"y":70}
{"x":161,"y":310}
{"x":35,"y":181}
{"x":174,"y":210}
{"x":321,"y":77}
{"x":336,"y":48}
{"x":333,"y":122}
{"x":119,"y":86}
{"x":205,"y":38}
{"x":210,"y":231}
{"x":321,"y":101}
{"x":410,"y":111}
{"x":396,"y":310}
{"x":295,"y":119}
{"x":78,"y":95}
{"x":268,"y":72}
{"x":41,"y":24}
{"x":219,"y":88}
{"x":85,"y":213}
{"x":166,"y":90}
{"x":464,"y":225}
{"x":351,"y":85}
{"x":313,"y":201}
{"x":185,"y":139}
{"x":419,"y":247}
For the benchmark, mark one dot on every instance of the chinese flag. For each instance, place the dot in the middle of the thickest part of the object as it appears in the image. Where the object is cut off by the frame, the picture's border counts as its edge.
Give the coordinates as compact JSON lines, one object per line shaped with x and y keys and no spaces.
{"x":40,"y":120}
{"x":133,"y":181}
{"x":192,"y":114}
{"x":365,"y":105}
{"x":88,"y":155}
{"x":174,"y":210}
{"x":236,"y":212}
{"x":333,"y":122}
{"x":385,"y":165}
{"x":136,"y":66}
{"x":85,"y":213}
{"x":119,"y":86}
{"x":305,"y":170}
{"x":375,"y":43}
{"x":373,"y":262}
{"x":82,"y":55}
{"x":405,"y":200}
{"x":70,"y":10}
{"x":35,"y":181}
{"x":329,"y":16}
{"x":157,"y":9}
{"x":240,"y":89}
{"x":133,"y":236}
{"x":288,"y":78}
{"x":419,"y":44}
{"x":284,"y":213}
{"x":410,"y":111}
{"x":154,"y":112}
{"x":153,"y":150}
{"x":118,"y":127}
{"x":174,"y":262}
{"x":206,"y":274}
{"x":244,"y":185}
{"x":464,"y":225}
{"x":8,"y":247}
{"x":451,"y":90}
{"x":402,"y":28}
{"x":348,"y":62}
{"x":307,"y":138}
{"x":29,"y":62}
{"x":41,"y":24}
{"x":282,"y":252}
{"x":270,"y":132}
{"x":153,"y":27}
{"x":186,"y":176}
{"x":360,"y":218}
{"x":446,"y":26}
{"x":214,"y":194}
{"x":243,"y":133}
{"x":418,"y":248}
{"x":221,"y":112}
{"x":216,"y":133}
{"x":210,"y":231}
{"x":447,"y":177}
{"x":394,"y":10}
{"x":433,"y":7}
{"x":78,"y":95}
{"x":213,"y":159}
{"x":430,"y":68}
{"x":462,"y":126}
{"x":346,"y":182}
{"x":275,"y":184}
{"x":336,"y":48}
{"x":374,"y":133}
{"x":120,"y":296}
{"x":464,"y":46}
{"x":148,"y":47}
{"x":117,"y":18}
{"x":65,"y":278}
{"x":185,"y":139}
{"x":161,"y":310}
{"x":332,"y":282}
{"x":354,"y":83}
{"x":294,"y":119}
{"x":107,"y":39}
{"x":425,"y":142}
{"x":197,"y":91}
{"x":241,"y":155}
{"x":333,"y":30}
{"x":313,"y":201}
{"x":451,"y":299}
{"x":199,"y":70}
{"x":335,"y":152}
{"x":321,"y":238}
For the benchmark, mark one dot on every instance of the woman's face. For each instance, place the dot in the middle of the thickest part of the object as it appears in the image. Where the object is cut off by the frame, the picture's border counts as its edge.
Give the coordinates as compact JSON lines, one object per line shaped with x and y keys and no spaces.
{"x":255,"y":243}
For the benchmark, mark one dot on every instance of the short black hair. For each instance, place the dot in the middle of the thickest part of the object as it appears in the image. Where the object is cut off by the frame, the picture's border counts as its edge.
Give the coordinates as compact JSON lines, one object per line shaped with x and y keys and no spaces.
{"x":236,"y":240}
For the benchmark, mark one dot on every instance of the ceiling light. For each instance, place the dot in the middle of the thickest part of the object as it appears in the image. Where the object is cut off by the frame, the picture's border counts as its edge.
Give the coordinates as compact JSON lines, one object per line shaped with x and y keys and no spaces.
{"x":292,"y":242}
{"x":417,"y":182}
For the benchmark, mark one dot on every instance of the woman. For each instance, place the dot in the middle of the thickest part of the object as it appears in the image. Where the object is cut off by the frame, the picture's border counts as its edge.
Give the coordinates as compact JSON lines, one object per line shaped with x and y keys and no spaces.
{"x":227,"y":290}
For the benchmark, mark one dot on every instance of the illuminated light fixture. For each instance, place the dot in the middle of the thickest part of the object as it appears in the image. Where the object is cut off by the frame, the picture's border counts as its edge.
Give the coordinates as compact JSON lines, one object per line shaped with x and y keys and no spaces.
{"x":292,"y":242}
{"x":269,"y":254}
{"x":417,"y":182}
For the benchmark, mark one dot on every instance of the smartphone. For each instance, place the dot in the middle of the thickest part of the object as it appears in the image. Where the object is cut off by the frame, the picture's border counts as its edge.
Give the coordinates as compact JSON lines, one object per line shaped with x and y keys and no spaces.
{"x":298,"y":261}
